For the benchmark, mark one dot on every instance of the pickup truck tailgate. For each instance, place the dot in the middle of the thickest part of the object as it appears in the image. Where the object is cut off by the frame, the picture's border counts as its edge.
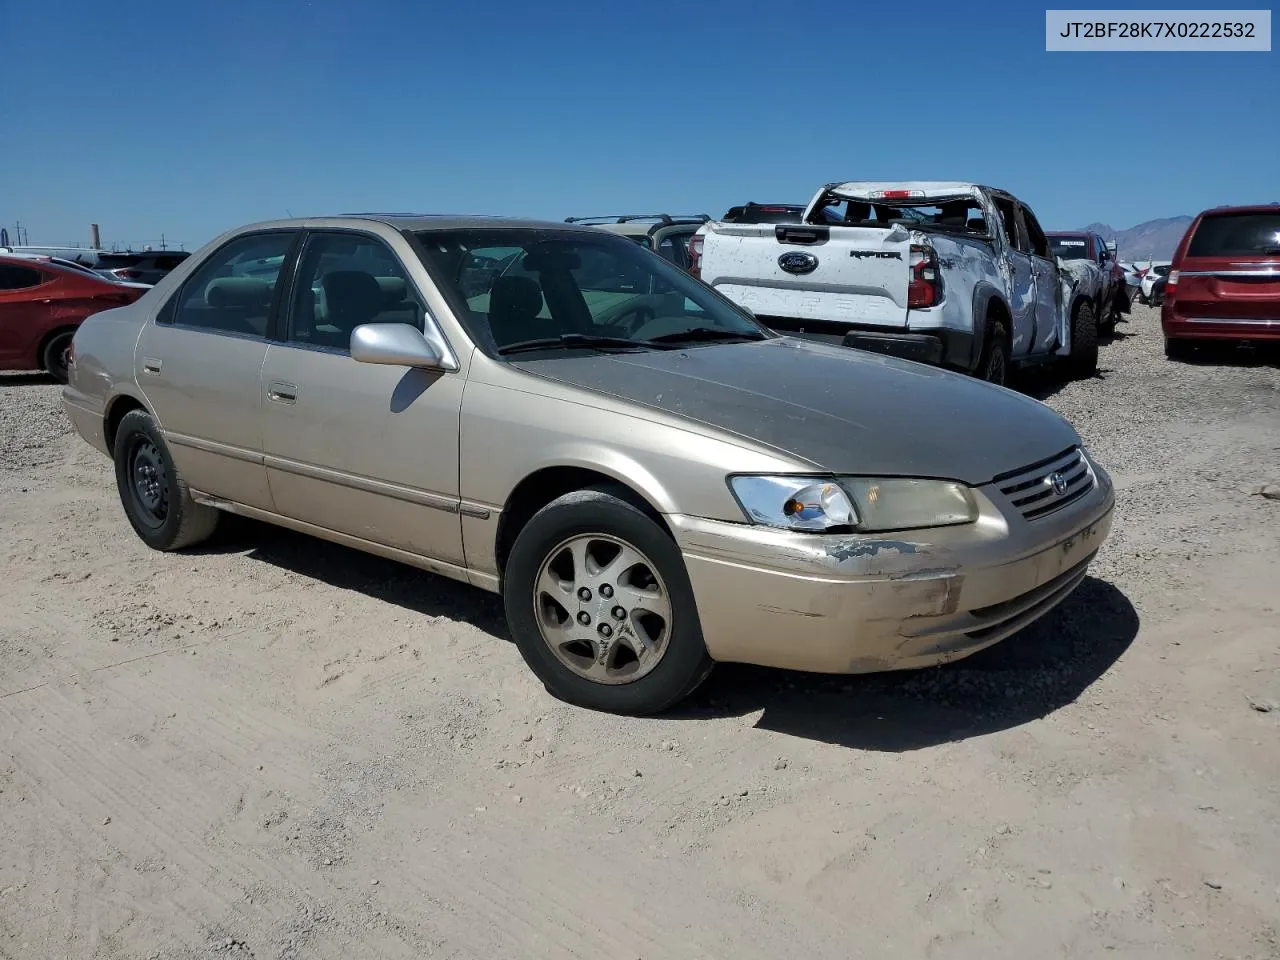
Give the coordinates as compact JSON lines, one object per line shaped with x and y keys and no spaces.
{"x":838,"y":274}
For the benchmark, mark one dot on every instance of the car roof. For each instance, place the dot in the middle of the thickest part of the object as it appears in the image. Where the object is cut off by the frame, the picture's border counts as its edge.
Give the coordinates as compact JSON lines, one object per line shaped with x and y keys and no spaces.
{"x":1251,"y":208}
{"x":414,"y":222}
{"x":934,"y":188}
{"x":1068,"y":233}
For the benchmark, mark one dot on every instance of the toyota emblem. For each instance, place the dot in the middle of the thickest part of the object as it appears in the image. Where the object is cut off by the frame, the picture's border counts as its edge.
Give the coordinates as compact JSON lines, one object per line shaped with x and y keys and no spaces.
{"x":797,"y":262}
{"x":1059,"y":482}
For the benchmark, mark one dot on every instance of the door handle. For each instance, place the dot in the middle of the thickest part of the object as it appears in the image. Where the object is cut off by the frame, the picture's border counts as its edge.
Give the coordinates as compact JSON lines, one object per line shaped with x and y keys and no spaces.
{"x":151,"y":365}
{"x":282,"y":392}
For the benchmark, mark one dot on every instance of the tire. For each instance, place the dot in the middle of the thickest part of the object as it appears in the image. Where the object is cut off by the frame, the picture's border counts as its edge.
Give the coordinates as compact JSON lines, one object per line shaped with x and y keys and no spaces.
{"x":155,"y":498}
{"x":1084,"y":342}
{"x":53,"y":358}
{"x":559,"y":555}
{"x":993,"y":365}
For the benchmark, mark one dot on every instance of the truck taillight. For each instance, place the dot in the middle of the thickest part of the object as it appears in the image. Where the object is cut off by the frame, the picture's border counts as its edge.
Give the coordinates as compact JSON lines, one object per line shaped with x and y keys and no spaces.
{"x":695,"y":254}
{"x":925,"y":287}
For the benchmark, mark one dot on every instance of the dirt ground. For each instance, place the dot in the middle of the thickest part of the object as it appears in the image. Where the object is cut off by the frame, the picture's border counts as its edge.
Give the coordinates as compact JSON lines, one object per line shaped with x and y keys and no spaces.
{"x":277,"y":748}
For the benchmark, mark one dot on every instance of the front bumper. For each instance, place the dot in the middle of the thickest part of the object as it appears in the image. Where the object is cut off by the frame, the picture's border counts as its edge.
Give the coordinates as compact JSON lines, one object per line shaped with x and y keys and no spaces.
{"x":860,"y":604}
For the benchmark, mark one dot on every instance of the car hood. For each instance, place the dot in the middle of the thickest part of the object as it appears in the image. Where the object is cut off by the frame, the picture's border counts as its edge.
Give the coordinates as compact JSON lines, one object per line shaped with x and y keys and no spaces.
{"x":840,"y":409}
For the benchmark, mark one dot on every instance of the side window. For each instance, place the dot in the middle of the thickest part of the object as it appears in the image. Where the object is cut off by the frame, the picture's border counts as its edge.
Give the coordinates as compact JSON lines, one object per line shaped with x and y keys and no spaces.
{"x":19,"y":278}
{"x":1038,"y":242}
{"x":675,"y":248}
{"x":345,"y":280}
{"x":232,"y":291}
{"x":1009,"y":220}
{"x":167,"y":263}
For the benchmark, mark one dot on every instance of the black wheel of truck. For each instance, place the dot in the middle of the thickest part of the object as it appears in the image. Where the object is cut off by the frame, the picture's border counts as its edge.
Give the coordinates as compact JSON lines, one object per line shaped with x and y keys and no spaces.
{"x":993,"y":365}
{"x":1084,"y":342}
{"x":600,"y":605}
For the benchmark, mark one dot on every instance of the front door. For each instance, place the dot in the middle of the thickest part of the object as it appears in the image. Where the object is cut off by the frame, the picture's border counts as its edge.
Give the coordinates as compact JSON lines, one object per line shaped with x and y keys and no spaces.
{"x":198,"y":361}
{"x":367,"y":450}
{"x":1022,"y":304}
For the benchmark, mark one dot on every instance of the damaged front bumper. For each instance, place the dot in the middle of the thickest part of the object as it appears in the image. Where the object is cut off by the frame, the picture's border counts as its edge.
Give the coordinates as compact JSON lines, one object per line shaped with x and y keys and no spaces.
{"x":860,"y":604}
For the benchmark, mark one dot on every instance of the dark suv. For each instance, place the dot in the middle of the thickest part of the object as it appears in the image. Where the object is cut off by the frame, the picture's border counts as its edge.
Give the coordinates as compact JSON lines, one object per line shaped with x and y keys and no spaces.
{"x":1224,"y":283}
{"x":146,"y":267}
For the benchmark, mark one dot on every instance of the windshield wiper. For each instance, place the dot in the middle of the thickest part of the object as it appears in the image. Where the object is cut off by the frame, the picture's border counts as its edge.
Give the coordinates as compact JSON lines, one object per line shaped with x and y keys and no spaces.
{"x":570,"y":341}
{"x":706,"y":335}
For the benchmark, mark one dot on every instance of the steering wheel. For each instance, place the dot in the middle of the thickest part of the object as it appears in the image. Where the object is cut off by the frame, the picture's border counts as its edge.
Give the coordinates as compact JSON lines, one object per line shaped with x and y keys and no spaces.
{"x":639,"y":316}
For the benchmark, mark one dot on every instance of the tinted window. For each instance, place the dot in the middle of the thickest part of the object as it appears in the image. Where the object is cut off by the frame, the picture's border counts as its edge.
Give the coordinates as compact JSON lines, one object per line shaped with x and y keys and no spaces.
{"x":1237,"y":235}
{"x":675,"y":247}
{"x":232,"y":291}
{"x":167,"y":261}
{"x":555,"y":283}
{"x":345,"y":280}
{"x":19,"y":278}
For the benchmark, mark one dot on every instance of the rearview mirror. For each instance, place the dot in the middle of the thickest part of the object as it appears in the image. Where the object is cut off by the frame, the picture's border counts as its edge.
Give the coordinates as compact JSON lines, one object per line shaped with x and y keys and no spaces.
{"x":396,"y":344}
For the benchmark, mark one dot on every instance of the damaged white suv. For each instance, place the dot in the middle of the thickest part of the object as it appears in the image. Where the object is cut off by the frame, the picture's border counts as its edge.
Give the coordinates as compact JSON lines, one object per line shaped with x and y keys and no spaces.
{"x":954,"y":274}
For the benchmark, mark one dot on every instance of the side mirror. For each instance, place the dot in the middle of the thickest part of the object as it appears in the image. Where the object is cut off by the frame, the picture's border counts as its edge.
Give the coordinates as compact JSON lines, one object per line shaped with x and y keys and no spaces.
{"x":395,"y":344}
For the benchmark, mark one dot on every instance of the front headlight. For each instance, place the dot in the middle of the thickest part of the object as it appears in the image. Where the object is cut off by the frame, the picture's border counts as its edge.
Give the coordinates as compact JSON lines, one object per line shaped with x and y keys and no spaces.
{"x":909,"y":504}
{"x":867,"y":505}
{"x":794,"y":503}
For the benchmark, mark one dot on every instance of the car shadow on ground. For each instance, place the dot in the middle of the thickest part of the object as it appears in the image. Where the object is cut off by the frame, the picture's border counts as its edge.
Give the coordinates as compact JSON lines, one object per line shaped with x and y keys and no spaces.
{"x":33,"y":378}
{"x":1035,"y":672}
{"x":404,"y":586}
{"x":1027,"y":676}
{"x":1230,"y":354}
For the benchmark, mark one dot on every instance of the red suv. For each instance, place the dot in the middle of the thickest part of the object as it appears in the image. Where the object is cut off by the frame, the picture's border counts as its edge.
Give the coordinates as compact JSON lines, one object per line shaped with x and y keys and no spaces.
{"x":1224,"y":283}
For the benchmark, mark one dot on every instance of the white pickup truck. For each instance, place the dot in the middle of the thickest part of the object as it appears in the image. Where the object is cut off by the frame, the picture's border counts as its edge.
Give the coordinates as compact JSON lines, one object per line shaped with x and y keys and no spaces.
{"x":954,"y":274}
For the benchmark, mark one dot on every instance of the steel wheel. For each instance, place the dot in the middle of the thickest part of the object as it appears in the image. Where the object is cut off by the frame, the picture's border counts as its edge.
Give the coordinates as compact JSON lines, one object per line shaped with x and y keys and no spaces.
{"x":149,"y":481}
{"x":602,"y":609}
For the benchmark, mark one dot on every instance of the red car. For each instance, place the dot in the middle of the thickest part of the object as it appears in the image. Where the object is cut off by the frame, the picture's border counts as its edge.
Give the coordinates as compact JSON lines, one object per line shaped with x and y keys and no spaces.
{"x":1224,"y":283}
{"x":42,"y":303}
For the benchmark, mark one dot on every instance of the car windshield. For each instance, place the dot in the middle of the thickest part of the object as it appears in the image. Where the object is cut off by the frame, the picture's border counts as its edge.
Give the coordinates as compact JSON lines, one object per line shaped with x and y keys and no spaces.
{"x":1070,"y":248}
{"x":572,"y":290}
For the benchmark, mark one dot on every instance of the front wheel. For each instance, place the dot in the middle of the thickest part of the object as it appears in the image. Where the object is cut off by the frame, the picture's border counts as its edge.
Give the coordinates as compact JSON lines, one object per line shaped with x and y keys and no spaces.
{"x":601,"y":608}
{"x":155,"y":498}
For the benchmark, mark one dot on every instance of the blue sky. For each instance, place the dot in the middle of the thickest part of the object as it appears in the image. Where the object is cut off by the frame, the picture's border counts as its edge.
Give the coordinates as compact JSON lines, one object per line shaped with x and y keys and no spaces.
{"x":189,"y":117}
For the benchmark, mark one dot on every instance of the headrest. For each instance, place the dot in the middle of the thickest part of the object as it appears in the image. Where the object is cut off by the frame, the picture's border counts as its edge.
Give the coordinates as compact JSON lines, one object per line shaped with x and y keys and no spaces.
{"x":515,"y":295}
{"x":977,"y":223}
{"x":245,"y":292}
{"x":393,"y":289}
{"x":345,"y":289}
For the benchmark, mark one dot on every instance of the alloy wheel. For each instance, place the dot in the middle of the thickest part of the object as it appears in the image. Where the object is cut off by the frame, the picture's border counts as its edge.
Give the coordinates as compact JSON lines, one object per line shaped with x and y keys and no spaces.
{"x":603,"y":609}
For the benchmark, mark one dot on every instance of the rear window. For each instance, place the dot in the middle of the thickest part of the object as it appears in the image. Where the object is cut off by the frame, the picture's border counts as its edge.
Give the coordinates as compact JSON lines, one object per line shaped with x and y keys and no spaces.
{"x":1237,"y":235}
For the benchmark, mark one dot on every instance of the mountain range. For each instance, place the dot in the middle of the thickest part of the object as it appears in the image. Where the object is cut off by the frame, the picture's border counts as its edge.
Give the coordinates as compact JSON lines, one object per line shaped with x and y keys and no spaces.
{"x":1153,"y":240}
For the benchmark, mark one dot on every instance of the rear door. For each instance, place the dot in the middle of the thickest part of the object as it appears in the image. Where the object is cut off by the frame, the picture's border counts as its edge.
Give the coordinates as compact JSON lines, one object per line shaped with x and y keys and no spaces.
{"x":199,"y":363}
{"x":845,"y":275}
{"x":1231,"y":270}
{"x":1022,"y":284}
{"x":1047,"y":295}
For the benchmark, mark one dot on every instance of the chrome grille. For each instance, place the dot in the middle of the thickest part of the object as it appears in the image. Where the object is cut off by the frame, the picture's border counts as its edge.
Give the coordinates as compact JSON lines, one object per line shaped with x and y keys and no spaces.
{"x":1049,"y":485}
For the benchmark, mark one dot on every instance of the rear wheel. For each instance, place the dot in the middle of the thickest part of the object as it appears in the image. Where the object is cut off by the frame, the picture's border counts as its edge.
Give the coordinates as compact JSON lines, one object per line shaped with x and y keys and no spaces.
{"x":601,"y":608}
{"x":1084,"y":341}
{"x":155,"y":498}
{"x":56,"y":354}
{"x":993,"y":365}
